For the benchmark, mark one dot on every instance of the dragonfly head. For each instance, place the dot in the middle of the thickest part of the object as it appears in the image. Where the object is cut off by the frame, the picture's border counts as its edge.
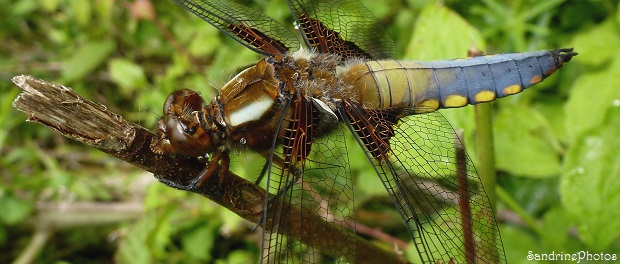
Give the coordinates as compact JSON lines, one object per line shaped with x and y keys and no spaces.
{"x":181,"y":127}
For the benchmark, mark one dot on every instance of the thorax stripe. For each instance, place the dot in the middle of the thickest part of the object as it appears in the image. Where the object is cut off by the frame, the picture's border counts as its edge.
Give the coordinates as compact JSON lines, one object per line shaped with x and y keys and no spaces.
{"x":251,"y":112}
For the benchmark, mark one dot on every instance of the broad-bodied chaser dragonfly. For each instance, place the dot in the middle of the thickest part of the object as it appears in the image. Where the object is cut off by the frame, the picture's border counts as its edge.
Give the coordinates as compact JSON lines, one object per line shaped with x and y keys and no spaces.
{"x":294,"y":106}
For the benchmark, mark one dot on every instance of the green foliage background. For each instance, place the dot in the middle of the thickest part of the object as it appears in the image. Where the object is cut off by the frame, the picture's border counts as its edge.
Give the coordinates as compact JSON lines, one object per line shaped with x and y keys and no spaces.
{"x":556,"y":144}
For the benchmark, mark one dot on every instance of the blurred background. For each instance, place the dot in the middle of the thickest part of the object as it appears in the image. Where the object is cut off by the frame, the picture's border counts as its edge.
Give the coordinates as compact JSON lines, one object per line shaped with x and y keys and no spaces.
{"x":556,"y":144}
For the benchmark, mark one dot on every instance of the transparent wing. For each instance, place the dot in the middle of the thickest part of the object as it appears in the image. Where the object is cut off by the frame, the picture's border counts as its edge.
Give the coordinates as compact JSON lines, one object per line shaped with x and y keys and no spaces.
{"x":343,"y":27}
{"x":249,"y":27}
{"x":450,"y":218}
{"x":310,"y":204}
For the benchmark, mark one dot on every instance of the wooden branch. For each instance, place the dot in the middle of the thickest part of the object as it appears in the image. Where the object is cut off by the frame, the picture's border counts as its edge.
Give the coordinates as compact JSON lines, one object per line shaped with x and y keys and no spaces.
{"x":76,"y":117}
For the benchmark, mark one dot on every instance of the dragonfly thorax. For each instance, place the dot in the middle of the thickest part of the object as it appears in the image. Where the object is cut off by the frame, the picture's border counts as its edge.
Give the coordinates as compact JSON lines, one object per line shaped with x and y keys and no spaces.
{"x":252,"y":105}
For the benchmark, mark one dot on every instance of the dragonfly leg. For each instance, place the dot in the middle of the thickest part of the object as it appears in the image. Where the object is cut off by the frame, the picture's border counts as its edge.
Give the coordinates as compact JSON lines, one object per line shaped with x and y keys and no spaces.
{"x":282,"y":164}
{"x":263,"y":172}
{"x":265,"y":169}
{"x":220,"y":160}
{"x":279,"y":194}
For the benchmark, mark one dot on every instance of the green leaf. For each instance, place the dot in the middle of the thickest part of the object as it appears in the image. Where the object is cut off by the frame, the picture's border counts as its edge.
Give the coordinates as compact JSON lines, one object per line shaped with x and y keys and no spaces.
{"x":8,"y":121}
{"x":135,"y":248}
{"x":49,"y":5}
{"x":205,"y":41}
{"x":228,"y":58}
{"x":554,"y":114}
{"x":440,"y":33}
{"x":617,"y":14}
{"x":591,"y":178}
{"x":127,"y":74}
{"x":599,"y":43}
{"x":160,"y":195}
{"x":590,"y":183}
{"x":104,"y":9}
{"x":239,"y":257}
{"x":556,"y":225}
{"x":160,"y":235}
{"x":591,"y":96}
{"x":524,"y":143}
{"x":199,"y":241}
{"x":22,"y":8}
{"x":534,"y":195}
{"x":81,"y":12}
{"x":13,"y":210}
{"x":229,"y":221}
{"x":519,"y":242}
{"x":86,"y":59}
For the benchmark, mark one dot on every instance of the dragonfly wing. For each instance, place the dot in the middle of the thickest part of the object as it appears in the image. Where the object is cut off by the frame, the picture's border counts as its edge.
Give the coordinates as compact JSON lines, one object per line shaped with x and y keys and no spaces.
{"x":247,"y":26}
{"x":419,"y":171}
{"x":310,"y":204}
{"x":310,"y":200}
{"x":343,"y":27}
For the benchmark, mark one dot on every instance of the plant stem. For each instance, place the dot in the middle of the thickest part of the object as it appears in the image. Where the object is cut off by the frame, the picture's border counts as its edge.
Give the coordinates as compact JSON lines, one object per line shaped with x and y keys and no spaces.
{"x":515,"y":207}
{"x":486,"y":152}
{"x":486,"y":161}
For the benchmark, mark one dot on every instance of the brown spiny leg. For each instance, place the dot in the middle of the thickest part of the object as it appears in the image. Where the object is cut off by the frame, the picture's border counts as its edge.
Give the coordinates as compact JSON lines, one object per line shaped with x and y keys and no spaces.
{"x":374,"y":128}
{"x":221,"y":159}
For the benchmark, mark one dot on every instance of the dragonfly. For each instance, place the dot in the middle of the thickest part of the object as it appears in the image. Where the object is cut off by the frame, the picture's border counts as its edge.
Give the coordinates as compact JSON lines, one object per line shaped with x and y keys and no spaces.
{"x":296,"y":106}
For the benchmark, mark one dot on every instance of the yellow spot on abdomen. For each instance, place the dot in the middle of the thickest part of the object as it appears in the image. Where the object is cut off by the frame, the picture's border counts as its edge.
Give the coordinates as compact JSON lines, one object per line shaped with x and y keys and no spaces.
{"x":512,"y":89}
{"x":535,"y":79}
{"x":550,"y":71}
{"x":485,"y":96}
{"x":426,"y":106}
{"x":455,"y":100}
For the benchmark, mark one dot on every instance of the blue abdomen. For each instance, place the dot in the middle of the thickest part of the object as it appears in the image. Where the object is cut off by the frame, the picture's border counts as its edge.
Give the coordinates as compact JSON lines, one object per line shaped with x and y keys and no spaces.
{"x":451,"y":83}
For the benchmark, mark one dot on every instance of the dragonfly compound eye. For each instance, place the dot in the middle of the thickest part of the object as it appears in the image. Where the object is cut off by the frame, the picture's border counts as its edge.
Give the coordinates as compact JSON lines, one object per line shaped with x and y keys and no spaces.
{"x":183,"y":100}
{"x":189,"y":139}
{"x":181,"y":126}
